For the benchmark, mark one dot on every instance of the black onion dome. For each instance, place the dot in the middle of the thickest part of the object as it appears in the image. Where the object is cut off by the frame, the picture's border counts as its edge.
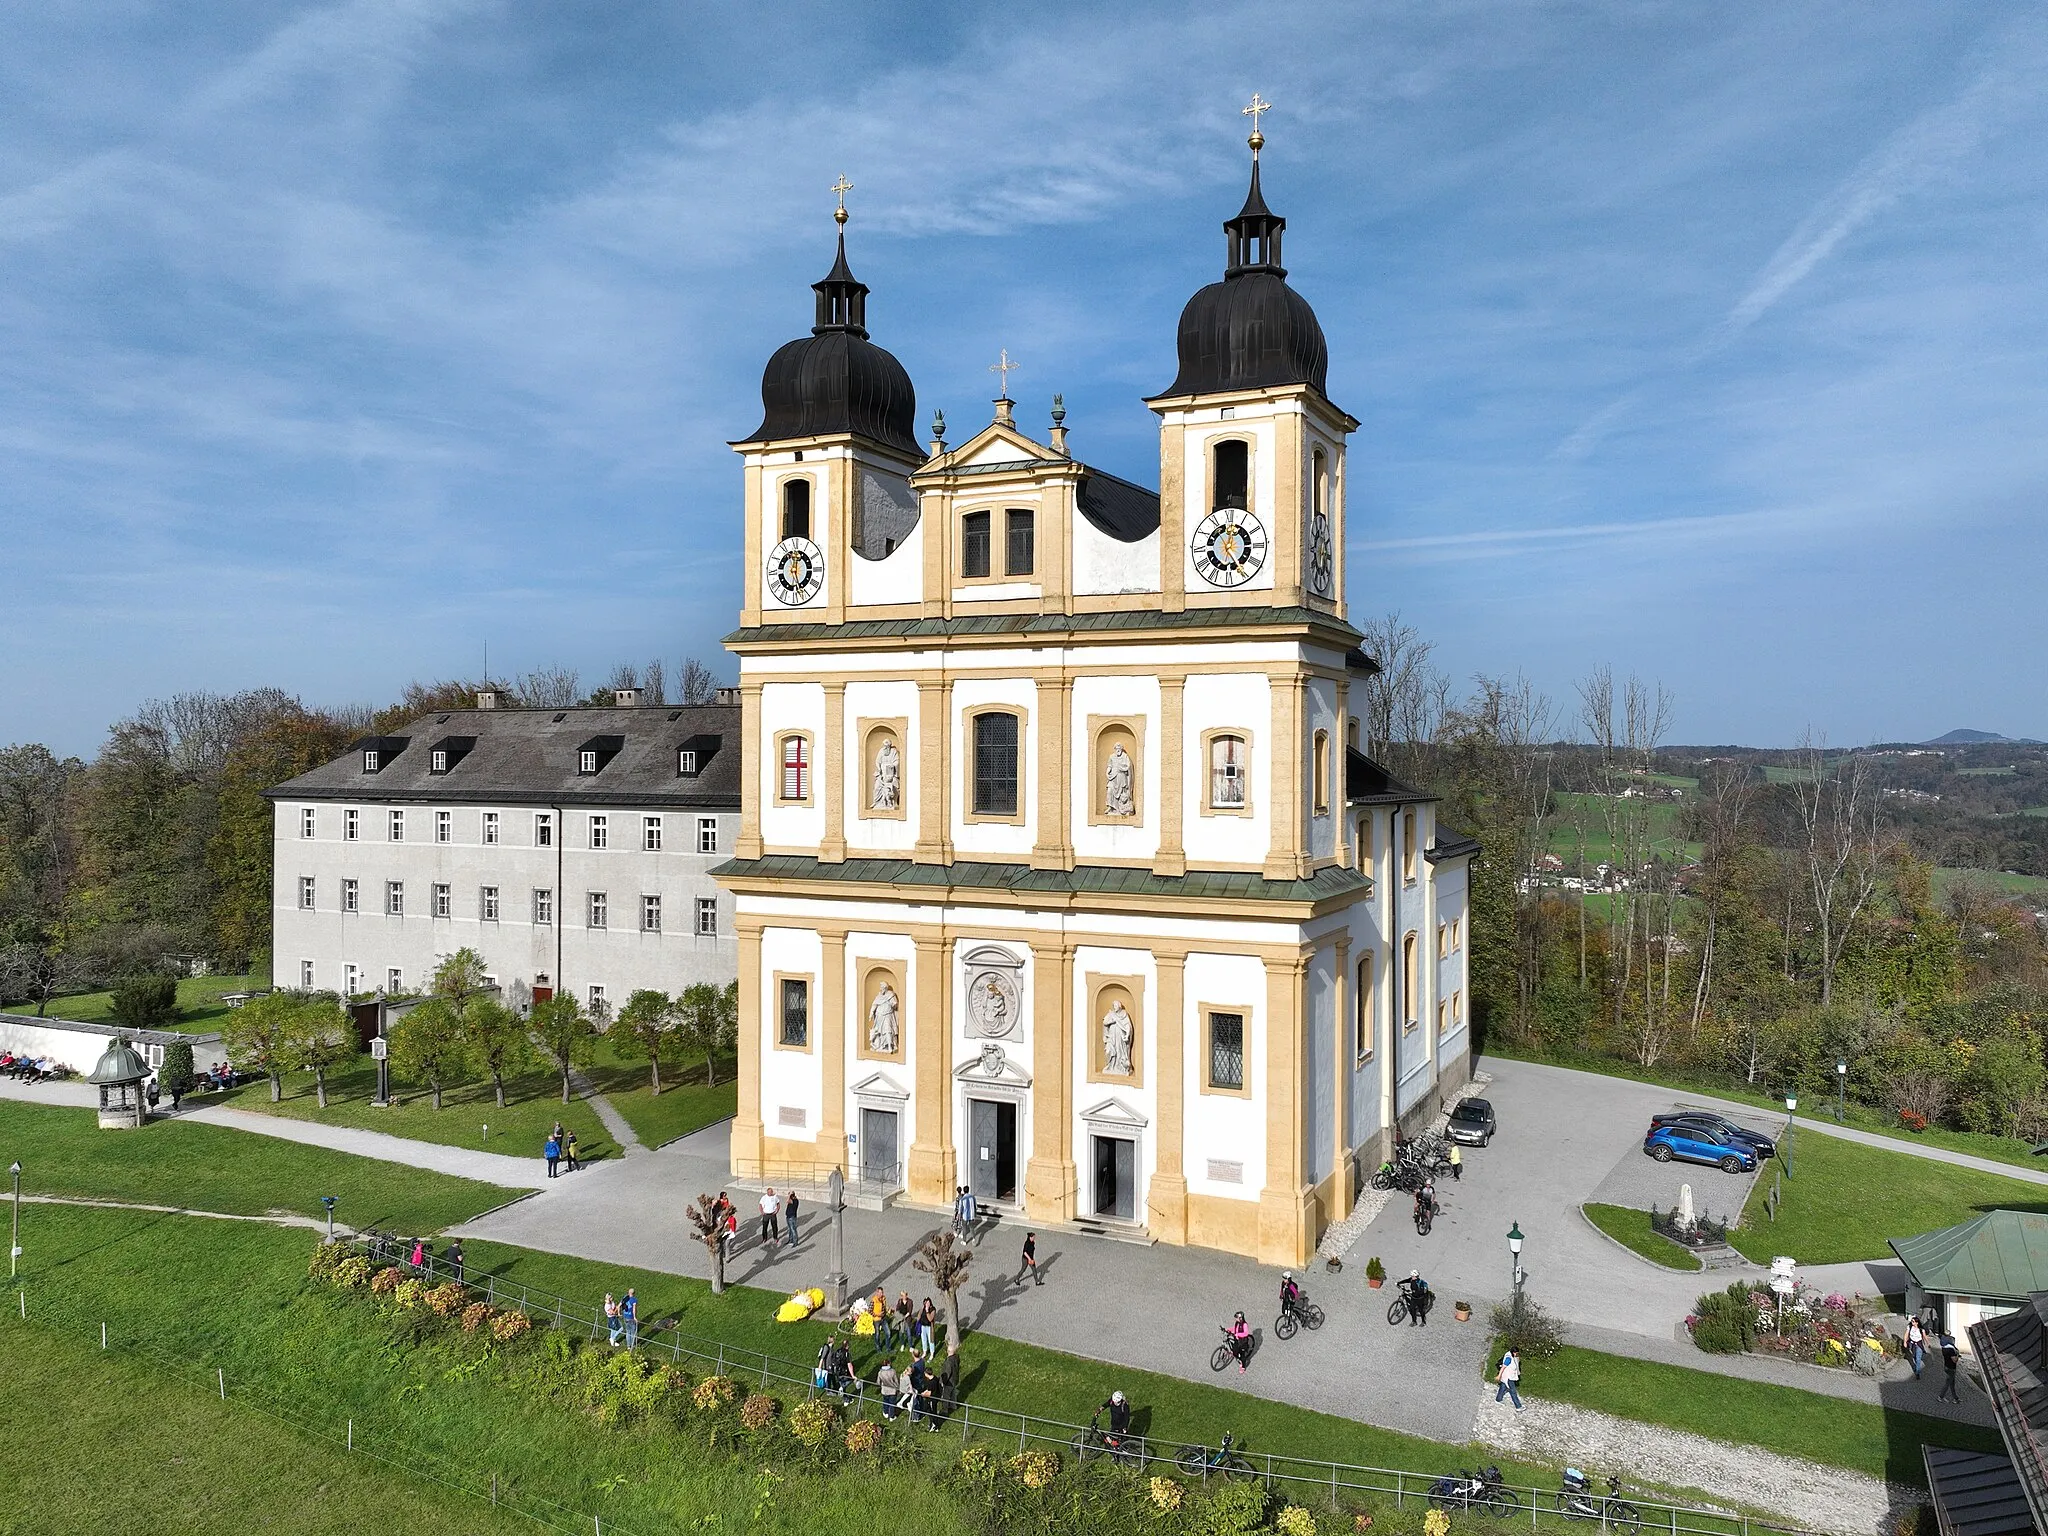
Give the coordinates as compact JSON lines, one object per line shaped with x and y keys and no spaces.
{"x":1250,"y":331}
{"x":835,"y":380}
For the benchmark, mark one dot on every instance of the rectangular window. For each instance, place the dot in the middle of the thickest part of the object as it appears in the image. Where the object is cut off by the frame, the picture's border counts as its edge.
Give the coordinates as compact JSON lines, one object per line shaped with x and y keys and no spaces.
{"x":1227,"y":756}
{"x":394,"y":898}
{"x":1457,"y":1008}
{"x":439,"y":763}
{"x":543,"y":830}
{"x":350,"y":902}
{"x":686,"y":762}
{"x":1362,"y":1011}
{"x":1319,"y":773}
{"x":309,"y":822}
{"x":1443,"y":941}
{"x":1443,"y":1019}
{"x":444,"y":826}
{"x":487,"y":903}
{"x":394,"y":980}
{"x":796,"y":768}
{"x":1409,"y":972}
{"x":586,"y":761}
{"x":707,"y":834}
{"x":796,"y":1013}
{"x":543,"y":906}
{"x":351,"y":824}
{"x":1408,"y":847}
{"x":650,"y":834}
{"x":995,"y":764}
{"x":305,"y":975}
{"x":490,"y":829}
{"x":1018,"y":550}
{"x":974,"y":544}
{"x":600,"y":910}
{"x":1226,"y":1051}
{"x":444,"y":901}
{"x":600,"y":834}
{"x":305,"y":893}
{"x":370,"y":759}
{"x":707,"y":916}
{"x":650,"y":914}
{"x":597,"y":1007}
{"x":351,"y":981}
{"x":398,"y":826}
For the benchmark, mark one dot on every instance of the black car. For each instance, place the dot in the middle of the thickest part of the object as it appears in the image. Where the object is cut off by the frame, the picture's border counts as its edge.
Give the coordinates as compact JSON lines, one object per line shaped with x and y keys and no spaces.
{"x":1722,"y":1126}
{"x":1471,"y":1123}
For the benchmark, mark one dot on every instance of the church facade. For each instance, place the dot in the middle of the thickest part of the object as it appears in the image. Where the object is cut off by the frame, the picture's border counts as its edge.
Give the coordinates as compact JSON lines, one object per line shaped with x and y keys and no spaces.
{"x":1059,"y":871}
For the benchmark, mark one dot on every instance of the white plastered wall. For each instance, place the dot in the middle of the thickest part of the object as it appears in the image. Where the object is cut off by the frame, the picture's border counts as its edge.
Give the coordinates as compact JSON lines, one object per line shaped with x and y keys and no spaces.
{"x":1104,"y":566}
{"x":1122,"y":698}
{"x":790,"y":1079}
{"x":879,"y":701}
{"x":1453,"y":970}
{"x":1322,"y":716}
{"x":1224,"y":1127}
{"x":862,"y":947}
{"x":899,"y":578}
{"x":1239,"y":701}
{"x":791,"y":707}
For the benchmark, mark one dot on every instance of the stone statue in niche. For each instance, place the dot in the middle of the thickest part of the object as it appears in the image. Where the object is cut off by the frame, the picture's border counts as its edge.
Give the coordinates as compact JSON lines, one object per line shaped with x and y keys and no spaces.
{"x":882,"y":1021}
{"x":1118,"y":798}
{"x":887,"y":792}
{"x":1116,"y":1040}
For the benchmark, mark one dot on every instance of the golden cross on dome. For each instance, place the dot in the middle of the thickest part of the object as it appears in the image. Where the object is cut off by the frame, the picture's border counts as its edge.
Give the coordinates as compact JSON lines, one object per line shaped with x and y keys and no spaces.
{"x":1004,"y":368}
{"x":1259,"y":105}
{"x":840,"y":188}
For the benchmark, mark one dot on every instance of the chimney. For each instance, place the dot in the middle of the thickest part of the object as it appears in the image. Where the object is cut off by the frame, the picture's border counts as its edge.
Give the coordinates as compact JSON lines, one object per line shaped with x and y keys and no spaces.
{"x":626,"y":698}
{"x":728,"y":696}
{"x":487,"y":698}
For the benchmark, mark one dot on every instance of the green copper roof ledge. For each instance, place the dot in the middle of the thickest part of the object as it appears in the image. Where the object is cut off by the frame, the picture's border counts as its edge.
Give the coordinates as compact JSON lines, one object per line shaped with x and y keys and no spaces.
{"x":1029,"y":624}
{"x":1087,"y":880}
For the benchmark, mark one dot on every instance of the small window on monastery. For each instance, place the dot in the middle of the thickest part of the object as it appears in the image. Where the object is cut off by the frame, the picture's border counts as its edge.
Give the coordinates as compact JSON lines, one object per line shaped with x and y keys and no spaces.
{"x":796,"y":508}
{"x":796,"y":1013}
{"x":308,"y":822}
{"x":1408,"y":846}
{"x":1362,"y":1010}
{"x":600,"y":832}
{"x":974,"y":534}
{"x":444,"y":826}
{"x":650,"y":834}
{"x":1409,"y":979}
{"x":490,"y":829}
{"x":1230,"y":481}
{"x":444,"y":901}
{"x":1018,"y":524}
{"x":1226,"y":1051}
{"x":686,"y":762}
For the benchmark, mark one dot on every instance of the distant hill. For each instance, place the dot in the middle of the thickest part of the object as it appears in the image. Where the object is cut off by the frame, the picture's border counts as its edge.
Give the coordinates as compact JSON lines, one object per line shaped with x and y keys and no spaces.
{"x":1977,"y":738}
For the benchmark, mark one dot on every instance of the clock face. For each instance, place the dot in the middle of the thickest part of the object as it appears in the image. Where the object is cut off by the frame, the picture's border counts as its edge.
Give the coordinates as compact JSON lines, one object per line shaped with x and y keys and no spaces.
{"x":1322,"y":558}
{"x":1228,"y":547}
{"x":795,"y":571}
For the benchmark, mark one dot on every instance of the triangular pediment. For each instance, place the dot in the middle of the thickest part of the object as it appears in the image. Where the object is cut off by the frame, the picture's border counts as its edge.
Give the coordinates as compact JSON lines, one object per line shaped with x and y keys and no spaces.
{"x":993,"y":449}
{"x":878,"y":1085}
{"x":1115,"y":1112}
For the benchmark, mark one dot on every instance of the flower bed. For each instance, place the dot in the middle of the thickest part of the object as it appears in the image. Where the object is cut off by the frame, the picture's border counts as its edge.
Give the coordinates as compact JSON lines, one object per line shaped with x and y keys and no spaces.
{"x":1832,"y":1330}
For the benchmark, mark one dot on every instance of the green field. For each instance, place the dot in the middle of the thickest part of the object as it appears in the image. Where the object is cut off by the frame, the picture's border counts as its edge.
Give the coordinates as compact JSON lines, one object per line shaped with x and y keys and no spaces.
{"x":1666,"y":822}
{"x":2035,"y":810}
{"x":63,"y":1151}
{"x":1988,"y":773}
{"x":1844,"y":1201}
{"x":1631,"y":1228}
{"x":199,"y":1002}
{"x":1947,"y":878}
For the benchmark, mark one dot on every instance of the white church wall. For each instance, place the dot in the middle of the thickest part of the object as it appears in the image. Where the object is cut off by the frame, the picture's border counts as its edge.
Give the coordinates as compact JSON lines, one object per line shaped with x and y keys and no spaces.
{"x":1319,"y":1112}
{"x":880,"y":701}
{"x":787,"y":707}
{"x":1204,"y":429}
{"x":1453,"y":971}
{"x":1233,"y":701}
{"x":1224,"y":1128}
{"x":1005,"y":839}
{"x":1121,"y":698}
{"x":862,"y":949}
{"x":1140,"y":1096}
{"x":896,"y":578}
{"x":1106,"y":567}
{"x":791,"y":1079}
{"x":1322,"y":716}
{"x":1363,"y":1079}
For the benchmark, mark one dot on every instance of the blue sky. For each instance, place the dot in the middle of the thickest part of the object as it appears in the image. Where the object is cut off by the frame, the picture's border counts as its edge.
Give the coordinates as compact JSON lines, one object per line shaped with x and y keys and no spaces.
{"x":340,"y":341}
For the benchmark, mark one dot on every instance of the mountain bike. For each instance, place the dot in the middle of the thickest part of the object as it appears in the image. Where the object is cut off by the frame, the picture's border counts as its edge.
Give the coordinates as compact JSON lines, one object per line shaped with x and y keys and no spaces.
{"x":1301,"y":1313}
{"x":1230,"y":1349}
{"x":1402,"y":1306}
{"x":1481,"y":1491}
{"x":1577,"y":1501}
{"x":1124,"y":1450}
{"x":1223,"y":1461}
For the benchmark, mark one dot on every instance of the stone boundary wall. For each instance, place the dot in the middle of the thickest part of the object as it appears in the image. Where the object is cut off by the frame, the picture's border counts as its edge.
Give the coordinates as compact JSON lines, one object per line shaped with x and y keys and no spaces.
{"x":79,"y":1045}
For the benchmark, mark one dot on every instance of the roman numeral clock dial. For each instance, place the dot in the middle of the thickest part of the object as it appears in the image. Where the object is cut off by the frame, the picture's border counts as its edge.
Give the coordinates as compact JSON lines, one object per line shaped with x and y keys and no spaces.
{"x":796,"y":569}
{"x":1229,"y":547}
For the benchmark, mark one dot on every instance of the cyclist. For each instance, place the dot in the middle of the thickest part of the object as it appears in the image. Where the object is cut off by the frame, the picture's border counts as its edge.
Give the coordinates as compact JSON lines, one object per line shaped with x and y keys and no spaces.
{"x":1415,"y":1290}
{"x":1118,"y":1407}
{"x":1240,"y":1333}
{"x":1425,"y":1200}
{"x":1290,"y":1293}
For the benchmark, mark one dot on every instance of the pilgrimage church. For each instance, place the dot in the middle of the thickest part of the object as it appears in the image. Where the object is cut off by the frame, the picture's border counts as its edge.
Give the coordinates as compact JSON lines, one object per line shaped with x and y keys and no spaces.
{"x":1060,"y":872}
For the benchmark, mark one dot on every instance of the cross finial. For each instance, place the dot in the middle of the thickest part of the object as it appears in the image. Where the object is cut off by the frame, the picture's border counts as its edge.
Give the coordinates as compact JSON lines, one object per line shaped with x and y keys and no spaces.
{"x":1004,"y":368}
{"x":839,"y":189}
{"x":1259,"y":105}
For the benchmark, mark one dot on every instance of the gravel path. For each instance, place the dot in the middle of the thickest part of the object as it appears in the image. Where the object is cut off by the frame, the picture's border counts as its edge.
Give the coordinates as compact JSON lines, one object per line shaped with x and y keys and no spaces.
{"x":1803,"y":1492}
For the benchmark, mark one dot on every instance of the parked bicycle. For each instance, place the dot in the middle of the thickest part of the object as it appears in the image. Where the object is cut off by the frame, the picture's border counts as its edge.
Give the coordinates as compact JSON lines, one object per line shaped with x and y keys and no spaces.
{"x":1576,"y":1500}
{"x":1299,"y":1313}
{"x":1124,"y":1450}
{"x":1221,"y":1461}
{"x":1482,"y":1491}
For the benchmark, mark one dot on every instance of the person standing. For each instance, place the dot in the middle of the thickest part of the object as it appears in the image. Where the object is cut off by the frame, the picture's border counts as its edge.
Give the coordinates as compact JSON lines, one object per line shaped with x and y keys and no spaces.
{"x":888,"y":1386}
{"x":611,"y":1318}
{"x":917,"y":1387}
{"x":569,"y":1150}
{"x":419,"y":1256}
{"x":629,"y":1314}
{"x":1916,"y":1345}
{"x":1510,"y":1378}
{"x":454,"y":1260}
{"x":905,"y":1316}
{"x":771,"y":1233}
{"x":553,"y":1152}
{"x":973,"y":1208}
{"x":1951,"y":1360}
{"x":1030,"y":1263}
{"x":960,"y":1210}
{"x":789,"y":1207}
{"x":1457,"y":1163}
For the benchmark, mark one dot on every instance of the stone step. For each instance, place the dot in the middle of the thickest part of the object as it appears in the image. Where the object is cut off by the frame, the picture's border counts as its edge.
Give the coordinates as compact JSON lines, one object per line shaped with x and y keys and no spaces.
{"x":1720,"y":1256}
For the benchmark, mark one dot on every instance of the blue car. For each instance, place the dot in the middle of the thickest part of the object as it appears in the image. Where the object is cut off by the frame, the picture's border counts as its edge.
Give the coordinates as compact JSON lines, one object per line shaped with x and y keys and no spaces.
{"x":1699,"y":1144}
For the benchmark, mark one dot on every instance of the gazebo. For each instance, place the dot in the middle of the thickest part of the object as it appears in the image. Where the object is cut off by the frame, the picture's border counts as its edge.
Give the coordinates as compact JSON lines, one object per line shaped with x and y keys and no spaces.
{"x":119,"y":1076}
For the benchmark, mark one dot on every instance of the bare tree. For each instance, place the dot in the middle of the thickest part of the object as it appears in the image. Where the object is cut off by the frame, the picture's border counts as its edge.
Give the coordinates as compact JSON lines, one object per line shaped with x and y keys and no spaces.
{"x":549,"y":688}
{"x":703,"y":1214}
{"x":1844,"y":846}
{"x":1725,"y":802}
{"x":1406,"y":699}
{"x":654,"y":682}
{"x":947,"y":1263}
{"x":699,"y":684}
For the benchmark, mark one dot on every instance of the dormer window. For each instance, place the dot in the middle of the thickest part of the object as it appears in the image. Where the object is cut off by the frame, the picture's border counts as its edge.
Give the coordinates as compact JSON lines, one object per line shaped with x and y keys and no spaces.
{"x":440,"y":760}
{"x":447,"y":752}
{"x":586,"y":760}
{"x":686,"y":762}
{"x":371,"y":757}
{"x":595,"y":754}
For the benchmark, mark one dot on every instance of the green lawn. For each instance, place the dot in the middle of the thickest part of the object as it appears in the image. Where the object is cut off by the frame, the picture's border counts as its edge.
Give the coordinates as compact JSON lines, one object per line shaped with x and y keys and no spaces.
{"x":533,"y":1103}
{"x":2035,"y":810}
{"x":210,"y":1168}
{"x":1631,"y":1228}
{"x":686,"y":1102}
{"x":1844,"y":1200}
{"x":77,"y":1424}
{"x":1665,"y":821}
{"x":1831,"y":1430}
{"x":199,"y":1001}
{"x":1947,"y":878}
{"x":1987,"y":773}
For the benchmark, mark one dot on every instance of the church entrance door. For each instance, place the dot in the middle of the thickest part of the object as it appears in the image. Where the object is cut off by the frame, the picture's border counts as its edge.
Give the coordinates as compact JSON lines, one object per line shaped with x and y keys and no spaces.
{"x":878,"y":1165}
{"x":1116,"y":1177}
{"x":992,"y":1130}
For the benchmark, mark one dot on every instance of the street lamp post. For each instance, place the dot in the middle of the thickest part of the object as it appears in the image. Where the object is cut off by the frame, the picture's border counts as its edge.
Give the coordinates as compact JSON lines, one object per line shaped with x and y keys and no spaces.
{"x":14,"y":1247}
{"x":1791,"y":1106}
{"x":1515,"y":1263}
{"x":1841,"y":1089}
{"x":328,"y":1201}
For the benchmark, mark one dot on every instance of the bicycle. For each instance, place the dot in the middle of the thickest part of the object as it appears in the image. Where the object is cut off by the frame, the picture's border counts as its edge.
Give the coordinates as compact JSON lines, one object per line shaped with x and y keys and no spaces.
{"x":1224,"y":1461}
{"x":1124,"y":1450}
{"x":1482,"y":1491}
{"x":1230,"y":1350}
{"x":1302,"y":1313}
{"x":1399,"y":1311}
{"x":1577,"y":1501}
{"x":1425,"y":1218}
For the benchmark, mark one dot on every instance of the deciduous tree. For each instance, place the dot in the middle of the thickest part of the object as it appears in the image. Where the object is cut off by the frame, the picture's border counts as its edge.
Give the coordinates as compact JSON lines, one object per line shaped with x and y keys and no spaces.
{"x":498,"y":1041}
{"x":645,"y":1027}
{"x":428,"y":1046}
{"x":565,"y":1034}
{"x":323,"y":1038}
{"x":260,"y":1036}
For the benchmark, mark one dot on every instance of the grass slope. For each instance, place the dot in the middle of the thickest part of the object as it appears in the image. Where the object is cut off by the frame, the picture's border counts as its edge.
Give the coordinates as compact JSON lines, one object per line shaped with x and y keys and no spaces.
{"x":1831,"y":1430}
{"x":63,"y":1151}
{"x":686,"y":1102}
{"x":199,"y":998}
{"x":1845,"y":1199}
{"x":1631,"y":1229}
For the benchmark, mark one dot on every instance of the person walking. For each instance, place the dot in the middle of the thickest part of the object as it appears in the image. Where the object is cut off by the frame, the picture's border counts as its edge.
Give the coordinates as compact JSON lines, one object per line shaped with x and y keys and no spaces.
{"x":569,"y":1150}
{"x":419,"y":1256}
{"x":629,"y":1314}
{"x":917,"y":1387}
{"x":789,"y":1207}
{"x":1951,"y":1359}
{"x":844,"y":1380}
{"x":771,"y":1208}
{"x":1457,"y":1163}
{"x":1510,"y":1378}
{"x":973,"y":1208}
{"x":612,"y":1325}
{"x":453,"y":1258}
{"x":1030,"y":1263}
{"x":1916,"y":1345}
{"x":553,"y":1153}
{"x":960,"y":1210}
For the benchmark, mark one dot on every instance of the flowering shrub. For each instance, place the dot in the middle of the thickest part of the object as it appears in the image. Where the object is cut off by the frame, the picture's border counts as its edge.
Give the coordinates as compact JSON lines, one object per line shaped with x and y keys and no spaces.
{"x":811,"y":1422}
{"x":714,"y":1392}
{"x":759,"y":1411}
{"x":978,"y":1463}
{"x":475,"y":1315}
{"x":1295,"y":1521}
{"x":352,"y":1272}
{"x":409,"y":1293}
{"x":1034,"y":1469}
{"x":511,"y":1324}
{"x":446,"y":1300}
{"x":385,"y":1281}
{"x":1912,"y":1120}
{"x":1436,"y":1523}
{"x":326,"y":1258}
{"x":863,"y":1437}
{"x":1835,"y":1301}
{"x":1166,"y":1494}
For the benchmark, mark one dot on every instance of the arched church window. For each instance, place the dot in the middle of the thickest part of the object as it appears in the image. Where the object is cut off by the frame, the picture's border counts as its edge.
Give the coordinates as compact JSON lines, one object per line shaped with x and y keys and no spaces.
{"x":1230,"y":480}
{"x":995,"y":763}
{"x":796,"y":508}
{"x":794,"y":754}
{"x":1409,"y":1000}
{"x":1229,"y":772}
{"x":1321,"y":773}
{"x":1319,"y":484}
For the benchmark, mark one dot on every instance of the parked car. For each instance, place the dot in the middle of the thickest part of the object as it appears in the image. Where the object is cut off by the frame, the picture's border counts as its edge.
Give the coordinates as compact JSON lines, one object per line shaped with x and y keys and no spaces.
{"x":1472,"y":1123}
{"x":1707,"y":1120}
{"x":1698,"y":1144}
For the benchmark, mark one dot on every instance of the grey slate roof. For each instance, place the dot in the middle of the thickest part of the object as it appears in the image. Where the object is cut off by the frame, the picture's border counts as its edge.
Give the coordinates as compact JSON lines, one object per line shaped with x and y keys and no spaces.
{"x":1032,"y":625}
{"x":529,"y":756}
{"x":1976,"y":1493}
{"x":1367,"y":782}
{"x":1451,"y":844}
{"x":2012,"y":1352}
{"x":1082,"y":881}
{"x":2001,"y":1254}
{"x":1126,"y":512}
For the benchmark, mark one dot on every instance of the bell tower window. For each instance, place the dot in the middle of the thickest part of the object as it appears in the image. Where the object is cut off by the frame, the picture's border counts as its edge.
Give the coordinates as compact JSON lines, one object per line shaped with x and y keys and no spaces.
{"x":1230,"y":479}
{"x":974,"y":540}
{"x":796,"y":508}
